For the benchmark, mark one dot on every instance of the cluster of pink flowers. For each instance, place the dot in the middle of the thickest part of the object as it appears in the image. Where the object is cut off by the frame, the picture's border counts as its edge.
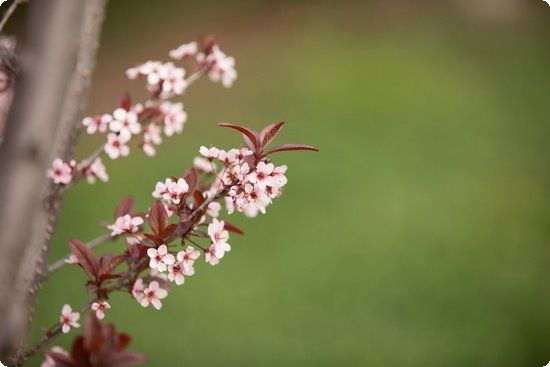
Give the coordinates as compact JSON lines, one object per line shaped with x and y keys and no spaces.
{"x":163,"y":245}
{"x":155,"y":116}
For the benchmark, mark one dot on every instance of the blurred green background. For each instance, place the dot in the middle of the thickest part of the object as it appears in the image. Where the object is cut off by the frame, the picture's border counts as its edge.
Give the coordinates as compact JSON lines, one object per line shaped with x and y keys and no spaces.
{"x":418,"y":236}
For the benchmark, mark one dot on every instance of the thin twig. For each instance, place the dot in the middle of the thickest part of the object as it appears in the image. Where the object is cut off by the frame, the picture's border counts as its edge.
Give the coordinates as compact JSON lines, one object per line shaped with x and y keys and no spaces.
{"x":9,"y":12}
{"x":93,"y":243}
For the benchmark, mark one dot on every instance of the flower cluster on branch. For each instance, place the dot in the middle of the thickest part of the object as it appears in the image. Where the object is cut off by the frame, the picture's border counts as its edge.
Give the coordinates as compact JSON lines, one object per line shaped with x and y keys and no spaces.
{"x":183,"y":222}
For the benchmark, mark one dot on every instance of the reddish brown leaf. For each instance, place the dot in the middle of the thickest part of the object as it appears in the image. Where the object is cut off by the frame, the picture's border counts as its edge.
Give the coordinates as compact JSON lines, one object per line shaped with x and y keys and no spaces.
{"x":125,"y":101}
{"x":125,"y":206}
{"x":231,"y":228}
{"x":85,"y":257}
{"x":61,"y":359}
{"x":269,"y":133}
{"x":289,"y":147}
{"x":199,"y":198}
{"x":158,"y":218}
{"x":123,"y":340}
{"x":124,"y":359}
{"x":94,"y":339}
{"x":250,"y":134}
{"x":190,"y":176}
{"x":104,"y":277}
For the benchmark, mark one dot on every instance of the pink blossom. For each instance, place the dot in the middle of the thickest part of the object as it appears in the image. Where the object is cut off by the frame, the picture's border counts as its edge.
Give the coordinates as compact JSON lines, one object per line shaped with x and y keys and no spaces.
{"x":160,"y":258}
{"x":188,"y":258}
{"x":71,"y":260}
{"x":49,"y":361}
{"x":68,"y":319}
{"x":210,"y":256}
{"x":137,"y":290}
{"x":262,"y":175}
{"x":152,"y":295}
{"x":173,"y":79}
{"x":116,"y":146}
{"x":229,"y":157}
{"x":97,"y":123}
{"x":151,"y":137}
{"x":125,"y":224}
{"x":61,"y":172}
{"x":174,"y":117}
{"x":217,"y":232}
{"x":171,"y":191}
{"x":125,"y":123}
{"x":213,"y":209}
{"x":203,"y":165}
{"x":209,"y":153}
{"x":221,"y":66}
{"x":96,"y":170}
{"x":100,"y":307}
{"x":184,"y":51}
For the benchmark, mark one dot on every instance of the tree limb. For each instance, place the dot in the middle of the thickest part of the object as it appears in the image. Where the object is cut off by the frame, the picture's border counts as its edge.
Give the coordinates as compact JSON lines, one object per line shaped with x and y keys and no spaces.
{"x":57,"y":63}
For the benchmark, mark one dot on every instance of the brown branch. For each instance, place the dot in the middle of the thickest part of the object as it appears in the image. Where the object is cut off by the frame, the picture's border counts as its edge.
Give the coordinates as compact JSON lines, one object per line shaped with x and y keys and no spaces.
{"x":9,"y":12}
{"x":57,"y":62}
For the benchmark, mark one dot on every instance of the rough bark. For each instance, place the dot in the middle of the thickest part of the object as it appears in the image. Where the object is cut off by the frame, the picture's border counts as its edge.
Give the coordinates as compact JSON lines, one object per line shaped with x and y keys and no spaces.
{"x":56,"y":65}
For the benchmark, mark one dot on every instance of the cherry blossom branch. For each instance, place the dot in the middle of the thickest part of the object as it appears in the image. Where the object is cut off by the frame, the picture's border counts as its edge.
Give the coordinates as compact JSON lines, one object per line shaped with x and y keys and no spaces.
{"x":91,"y":244}
{"x":9,"y":12}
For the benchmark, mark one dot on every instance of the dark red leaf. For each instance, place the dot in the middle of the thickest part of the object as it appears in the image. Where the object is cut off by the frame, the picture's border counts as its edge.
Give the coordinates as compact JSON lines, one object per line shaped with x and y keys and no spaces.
{"x":61,"y":359}
{"x":79,"y":353}
{"x":85,"y":257}
{"x":125,"y":101}
{"x":269,"y":133}
{"x":125,"y":206}
{"x":124,"y":359}
{"x":231,"y":228}
{"x":190,"y":176}
{"x":250,"y":134}
{"x":249,"y":143}
{"x":168,"y":230}
{"x":158,"y":218}
{"x":105,"y":277}
{"x":199,"y":198}
{"x":94,"y":339}
{"x":123,"y":340}
{"x":112,"y":263}
{"x":289,"y":147}
{"x":157,"y":240}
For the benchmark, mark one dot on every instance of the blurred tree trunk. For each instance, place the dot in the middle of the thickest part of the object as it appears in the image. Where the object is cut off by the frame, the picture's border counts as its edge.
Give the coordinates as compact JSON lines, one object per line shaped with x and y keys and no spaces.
{"x":57,"y":60}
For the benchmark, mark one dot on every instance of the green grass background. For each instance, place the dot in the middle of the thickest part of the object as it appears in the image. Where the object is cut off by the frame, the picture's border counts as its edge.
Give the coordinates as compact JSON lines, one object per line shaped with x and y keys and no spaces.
{"x":418,"y":236}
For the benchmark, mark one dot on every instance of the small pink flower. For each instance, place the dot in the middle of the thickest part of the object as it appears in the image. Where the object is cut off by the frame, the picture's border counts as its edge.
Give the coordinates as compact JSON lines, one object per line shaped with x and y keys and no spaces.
{"x":97,"y":123}
{"x":204,"y":165}
{"x":100,"y":308}
{"x":160,"y":258}
{"x":213,"y":209}
{"x":229,"y":157}
{"x":153,"y":294}
{"x":137,"y":290}
{"x":116,"y":146}
{"x":68,"y":319}
{"x":262,"y":175}
{"x":71,"y":260}
{"x":210,"y":256}
{"x":125,"y":224}
{"x":171,"y":191}
{"x":221,"y":66}
{"x":125,"y":123}
{"x":184,"y":51}
{"x":96,"y":170}
{"x":49,"y":361}
{"x":151,"y":137}
{"x":174,"y":117}
{"x":217,"y":232}
{"x":61,"y":172}
{"x":173,"y":79}
{"x":209,"y":153}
